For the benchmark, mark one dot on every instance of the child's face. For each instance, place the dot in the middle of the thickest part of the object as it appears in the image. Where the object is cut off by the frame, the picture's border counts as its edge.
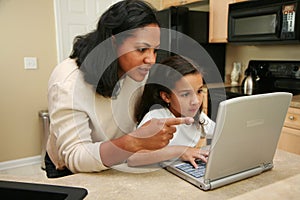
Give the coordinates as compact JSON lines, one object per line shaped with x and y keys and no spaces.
{"x":186,"y":98}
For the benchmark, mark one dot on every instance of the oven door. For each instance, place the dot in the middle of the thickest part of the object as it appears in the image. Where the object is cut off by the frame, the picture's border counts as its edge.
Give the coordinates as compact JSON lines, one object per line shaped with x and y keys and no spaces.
{"x":254,"y":23}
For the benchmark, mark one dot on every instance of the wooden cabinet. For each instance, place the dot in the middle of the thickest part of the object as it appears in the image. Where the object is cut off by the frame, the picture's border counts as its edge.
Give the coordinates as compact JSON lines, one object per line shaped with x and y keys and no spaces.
{"x":218,"y":20}
{"x":168,"y":3}
{"x":205,"y":100}
{"x":155,"y":3}
{"x":290,"y":135}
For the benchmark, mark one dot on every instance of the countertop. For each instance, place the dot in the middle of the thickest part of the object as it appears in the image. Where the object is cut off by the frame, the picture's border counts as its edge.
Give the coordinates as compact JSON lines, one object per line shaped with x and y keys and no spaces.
{"x":296,"y":101}
{"x":282,"y":182}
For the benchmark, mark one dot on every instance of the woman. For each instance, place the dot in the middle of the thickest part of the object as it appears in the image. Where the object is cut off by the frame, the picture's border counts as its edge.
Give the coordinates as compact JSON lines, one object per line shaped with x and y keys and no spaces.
{"x":178,"y":95}
{"x":92,"y":94}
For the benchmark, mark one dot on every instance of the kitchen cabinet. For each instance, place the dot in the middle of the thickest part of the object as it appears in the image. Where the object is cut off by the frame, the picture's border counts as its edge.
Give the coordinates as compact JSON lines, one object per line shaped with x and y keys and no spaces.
{"x":168,"y":3}
{"x":290,"y":135}
{"x":205,"y":100}
{"x":218,"y":17}
{"x":155,"y":3}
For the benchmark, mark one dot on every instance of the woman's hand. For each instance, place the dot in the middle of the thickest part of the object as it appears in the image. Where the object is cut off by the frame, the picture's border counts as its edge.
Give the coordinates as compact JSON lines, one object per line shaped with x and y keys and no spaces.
{"x":191,"y":154}
{"x":156,"y":133}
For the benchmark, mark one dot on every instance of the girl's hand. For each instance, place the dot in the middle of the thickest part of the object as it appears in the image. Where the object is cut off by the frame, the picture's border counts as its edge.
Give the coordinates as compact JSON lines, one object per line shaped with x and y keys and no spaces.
{"x":191,"y":154}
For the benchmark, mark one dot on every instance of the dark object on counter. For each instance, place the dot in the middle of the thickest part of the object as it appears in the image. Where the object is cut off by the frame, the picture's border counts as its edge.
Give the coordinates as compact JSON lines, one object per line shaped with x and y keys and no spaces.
{"x":32,"y":191}
{"x":51,"y":170}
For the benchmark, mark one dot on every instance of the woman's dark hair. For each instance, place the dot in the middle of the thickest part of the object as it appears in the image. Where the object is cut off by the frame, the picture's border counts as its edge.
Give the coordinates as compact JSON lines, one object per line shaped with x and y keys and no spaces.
{"x":162,"y":78}
{"x":101,"y":67}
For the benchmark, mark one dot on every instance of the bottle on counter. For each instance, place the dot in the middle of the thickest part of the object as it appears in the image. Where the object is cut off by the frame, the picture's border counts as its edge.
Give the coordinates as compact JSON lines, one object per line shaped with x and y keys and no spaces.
{"x":235,"y":74}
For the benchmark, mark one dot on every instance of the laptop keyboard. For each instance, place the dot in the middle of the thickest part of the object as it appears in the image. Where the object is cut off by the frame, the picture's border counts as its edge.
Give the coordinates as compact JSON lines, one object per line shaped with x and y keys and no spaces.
{"x":191,"y":170}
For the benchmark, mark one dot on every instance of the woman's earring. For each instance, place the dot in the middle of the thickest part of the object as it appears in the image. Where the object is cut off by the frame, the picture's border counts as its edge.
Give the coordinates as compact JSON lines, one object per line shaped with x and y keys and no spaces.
{"x":168,"y":104}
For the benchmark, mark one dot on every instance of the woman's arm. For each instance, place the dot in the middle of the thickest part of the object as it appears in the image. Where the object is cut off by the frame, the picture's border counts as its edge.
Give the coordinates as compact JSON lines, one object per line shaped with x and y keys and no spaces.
{"x":153,"y":135}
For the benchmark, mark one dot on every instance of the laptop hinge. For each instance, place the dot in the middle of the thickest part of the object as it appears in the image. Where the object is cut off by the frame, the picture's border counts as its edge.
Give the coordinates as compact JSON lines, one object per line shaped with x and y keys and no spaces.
{"x":268,"y":166}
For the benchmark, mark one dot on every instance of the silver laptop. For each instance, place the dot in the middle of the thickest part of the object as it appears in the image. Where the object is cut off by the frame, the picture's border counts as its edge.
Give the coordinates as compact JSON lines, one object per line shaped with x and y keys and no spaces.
{"x":244,"y":143}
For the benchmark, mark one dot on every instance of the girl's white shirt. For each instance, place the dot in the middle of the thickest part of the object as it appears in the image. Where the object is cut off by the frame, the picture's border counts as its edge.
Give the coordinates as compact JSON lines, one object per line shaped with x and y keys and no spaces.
{"x":186,"y":135}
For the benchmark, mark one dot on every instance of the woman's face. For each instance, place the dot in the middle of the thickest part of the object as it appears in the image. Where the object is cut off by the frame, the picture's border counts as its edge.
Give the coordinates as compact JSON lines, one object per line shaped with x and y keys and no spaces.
{"x":186,"y":97}
{"x":137,"y":53}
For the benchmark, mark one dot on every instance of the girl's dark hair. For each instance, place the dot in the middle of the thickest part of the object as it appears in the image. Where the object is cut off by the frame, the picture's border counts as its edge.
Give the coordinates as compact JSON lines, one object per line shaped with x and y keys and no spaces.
{"x":100,"y":66}
{"x":163,"y":77}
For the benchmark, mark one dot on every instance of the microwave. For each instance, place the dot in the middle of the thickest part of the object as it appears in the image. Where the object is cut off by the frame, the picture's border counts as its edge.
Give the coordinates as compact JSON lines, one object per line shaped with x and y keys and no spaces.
{"x":264,"y":21}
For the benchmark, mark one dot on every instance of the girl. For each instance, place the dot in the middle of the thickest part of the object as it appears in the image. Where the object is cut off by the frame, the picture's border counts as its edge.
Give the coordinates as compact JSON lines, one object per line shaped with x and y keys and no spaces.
{"x":174,"y":89}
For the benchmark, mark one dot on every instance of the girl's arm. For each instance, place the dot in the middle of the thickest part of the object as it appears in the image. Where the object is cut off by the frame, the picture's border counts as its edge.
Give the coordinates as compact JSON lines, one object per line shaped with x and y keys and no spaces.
{"x":170,"y":152}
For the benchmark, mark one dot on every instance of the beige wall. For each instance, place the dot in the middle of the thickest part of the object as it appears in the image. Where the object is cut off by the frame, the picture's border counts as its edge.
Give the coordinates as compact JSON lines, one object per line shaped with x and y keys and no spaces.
{"x":243,"y":54}
{"x":27,"y":30}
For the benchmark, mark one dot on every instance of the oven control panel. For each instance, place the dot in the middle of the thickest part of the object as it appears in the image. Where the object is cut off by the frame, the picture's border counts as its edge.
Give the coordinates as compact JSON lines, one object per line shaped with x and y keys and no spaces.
{"x":276,"y":69}
{"x":276,"y":75}
{"x":285,"y":71}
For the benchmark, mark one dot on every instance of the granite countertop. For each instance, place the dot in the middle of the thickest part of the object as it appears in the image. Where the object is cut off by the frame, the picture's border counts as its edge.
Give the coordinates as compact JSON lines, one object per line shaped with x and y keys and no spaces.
{"x":282,"y":182}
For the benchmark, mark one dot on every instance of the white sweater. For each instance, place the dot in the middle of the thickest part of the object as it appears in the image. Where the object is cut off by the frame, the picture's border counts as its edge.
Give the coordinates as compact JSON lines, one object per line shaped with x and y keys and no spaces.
{"x":80,"y":119}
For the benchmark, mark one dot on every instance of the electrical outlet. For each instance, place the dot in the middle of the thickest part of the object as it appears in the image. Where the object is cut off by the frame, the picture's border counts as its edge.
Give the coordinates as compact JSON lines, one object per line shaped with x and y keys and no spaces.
{"x":30,"y":63}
